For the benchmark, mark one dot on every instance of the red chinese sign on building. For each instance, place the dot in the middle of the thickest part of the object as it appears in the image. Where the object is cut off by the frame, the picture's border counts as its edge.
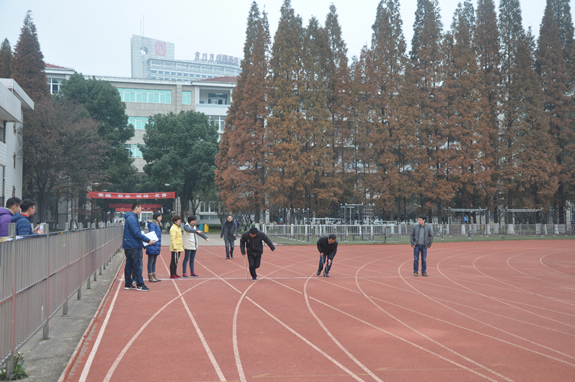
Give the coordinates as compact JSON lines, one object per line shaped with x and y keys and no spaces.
{"x":160,"y":48}
{"x":133,"y":195}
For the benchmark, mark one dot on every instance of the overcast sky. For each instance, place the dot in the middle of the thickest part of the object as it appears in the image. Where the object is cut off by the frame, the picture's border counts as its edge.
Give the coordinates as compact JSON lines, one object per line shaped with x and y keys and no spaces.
{"x":93,"y":37}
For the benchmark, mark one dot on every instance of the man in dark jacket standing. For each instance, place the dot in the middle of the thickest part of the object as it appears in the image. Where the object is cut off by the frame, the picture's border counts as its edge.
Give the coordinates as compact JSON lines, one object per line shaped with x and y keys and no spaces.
{"x":421,"y":240}
{"x":22,"y":220}
{"x":132,"y":245}
{"x":12,"y":207}
{"x":253,"y":240}
{"x":229,"y":234}
{"x":327,"y":247}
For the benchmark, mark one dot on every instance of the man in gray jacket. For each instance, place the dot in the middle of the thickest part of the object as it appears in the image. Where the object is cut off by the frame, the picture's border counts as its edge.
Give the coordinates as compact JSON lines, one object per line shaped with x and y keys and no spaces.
{"x":421,"y":239}
{"x":229,"y":233}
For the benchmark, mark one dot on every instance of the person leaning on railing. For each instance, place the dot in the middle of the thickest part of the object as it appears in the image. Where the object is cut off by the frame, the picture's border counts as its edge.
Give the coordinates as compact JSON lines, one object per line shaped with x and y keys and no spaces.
{"x":22,"y":219}
{"x":6,"y":214}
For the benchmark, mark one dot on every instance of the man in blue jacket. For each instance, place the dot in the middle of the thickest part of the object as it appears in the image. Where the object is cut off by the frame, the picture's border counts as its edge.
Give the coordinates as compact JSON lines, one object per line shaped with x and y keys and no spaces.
{"x":22,"y":220}
{"x":421,"y":240}
{"x":132,"y":245}
{"x":6,"y":214}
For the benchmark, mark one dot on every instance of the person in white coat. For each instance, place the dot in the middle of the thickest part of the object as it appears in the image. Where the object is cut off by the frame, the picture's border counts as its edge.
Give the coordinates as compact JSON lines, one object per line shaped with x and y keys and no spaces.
{"x":190,"y":240}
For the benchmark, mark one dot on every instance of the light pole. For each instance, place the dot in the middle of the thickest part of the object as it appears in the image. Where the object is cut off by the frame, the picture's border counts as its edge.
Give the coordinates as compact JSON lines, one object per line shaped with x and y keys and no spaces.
{"x":176,"y":202}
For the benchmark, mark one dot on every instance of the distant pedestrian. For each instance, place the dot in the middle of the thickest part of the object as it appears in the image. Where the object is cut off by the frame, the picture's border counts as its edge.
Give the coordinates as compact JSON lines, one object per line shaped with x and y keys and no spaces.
{"x":12,"y":207}
{"x":252,"y":241}
{"x":132,"y":245}
{"x":175,"y":246}
{"x":191,"y":245}
{"x":229,"y":234}
{"x":153,"y":251}
{"x":421,"y":240}
{"x":327,"y":247}
{"x":22,"y":219}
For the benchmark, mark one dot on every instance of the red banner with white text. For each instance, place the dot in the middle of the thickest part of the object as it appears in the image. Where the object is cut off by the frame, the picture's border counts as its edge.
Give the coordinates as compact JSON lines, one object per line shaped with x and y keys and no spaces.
{"x":132,"y":195}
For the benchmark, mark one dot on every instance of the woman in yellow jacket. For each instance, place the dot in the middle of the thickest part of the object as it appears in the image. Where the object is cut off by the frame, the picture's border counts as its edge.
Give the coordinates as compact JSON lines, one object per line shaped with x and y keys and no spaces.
{"x":176,"y":245}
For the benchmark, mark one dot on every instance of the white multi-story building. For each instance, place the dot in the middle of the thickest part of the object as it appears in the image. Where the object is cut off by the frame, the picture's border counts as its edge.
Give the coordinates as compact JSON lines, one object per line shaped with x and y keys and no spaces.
{"x":13,"y":102}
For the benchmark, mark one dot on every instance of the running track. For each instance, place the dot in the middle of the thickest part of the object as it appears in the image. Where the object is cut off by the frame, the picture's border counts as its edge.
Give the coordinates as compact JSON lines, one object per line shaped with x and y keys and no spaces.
{"x":496,"y":311}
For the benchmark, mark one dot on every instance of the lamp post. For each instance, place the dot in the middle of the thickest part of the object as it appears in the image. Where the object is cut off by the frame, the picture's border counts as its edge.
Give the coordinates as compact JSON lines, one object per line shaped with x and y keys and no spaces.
{"x":176,"y":202}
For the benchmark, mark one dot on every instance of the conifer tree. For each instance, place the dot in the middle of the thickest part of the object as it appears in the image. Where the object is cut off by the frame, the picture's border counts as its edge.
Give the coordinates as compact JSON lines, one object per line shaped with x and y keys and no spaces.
{"x":243,"y":148}
{"x":562,"y":15}
{"x":286,"y":179}
{"x":339,"y":104}
{"x":486,"y":45}
{"x":468,"y":148}
{"x":27,"y":64}
{"x":5,"y":59}
{"x":320,"y":182}
{"x":386,"y":69}
{"x":552,"y":69}
{"x":428,"y":57}
{"x":528,"y":166}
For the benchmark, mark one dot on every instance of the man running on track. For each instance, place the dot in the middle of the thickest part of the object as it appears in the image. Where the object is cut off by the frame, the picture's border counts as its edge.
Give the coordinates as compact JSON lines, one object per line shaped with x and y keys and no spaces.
{"x":253,"y":240}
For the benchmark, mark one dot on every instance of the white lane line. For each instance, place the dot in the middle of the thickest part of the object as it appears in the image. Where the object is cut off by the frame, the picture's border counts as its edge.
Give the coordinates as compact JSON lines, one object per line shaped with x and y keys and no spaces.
{"x":129,"y":344}
{"x":553,"y":269}
{"x":201,"y":335}
{"x":236,"y":348}
{"x":325,"y":329}
{"x":90,"y":359}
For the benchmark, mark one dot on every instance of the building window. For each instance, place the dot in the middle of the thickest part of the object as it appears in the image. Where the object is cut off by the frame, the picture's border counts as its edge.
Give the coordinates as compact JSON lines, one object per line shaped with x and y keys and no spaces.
{"x":134,"y":151}
{"x":3,"y":132}
{"x":219,"y":121}
{"x":145,"y":95}
{"x":139,"y":123}
{"x":187,"y":98}
{"x":14,"y":157}
{"x":217,"y":98}
{"x":54,"y":85}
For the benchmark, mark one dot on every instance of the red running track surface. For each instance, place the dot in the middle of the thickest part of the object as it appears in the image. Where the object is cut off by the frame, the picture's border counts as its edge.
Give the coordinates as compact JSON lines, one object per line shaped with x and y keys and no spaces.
{"x":495,"y":311}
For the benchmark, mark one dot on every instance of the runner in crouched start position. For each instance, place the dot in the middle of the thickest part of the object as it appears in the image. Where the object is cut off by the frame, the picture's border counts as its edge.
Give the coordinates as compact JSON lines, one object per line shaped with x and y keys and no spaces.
{"x":327,"y":247}
{"x":253,"y":240}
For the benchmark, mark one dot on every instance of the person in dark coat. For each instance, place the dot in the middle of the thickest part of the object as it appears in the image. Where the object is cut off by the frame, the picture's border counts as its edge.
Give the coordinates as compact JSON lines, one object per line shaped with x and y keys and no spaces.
{"x":154,"y":250}
{"x":12,"y":207}
{"x":22,"y":219}
{"x":421,"y":240}
{"x":253,"y":240}
{"x":327,"y":247}
{"x":229,"y":234}
{"x":132,"y":244}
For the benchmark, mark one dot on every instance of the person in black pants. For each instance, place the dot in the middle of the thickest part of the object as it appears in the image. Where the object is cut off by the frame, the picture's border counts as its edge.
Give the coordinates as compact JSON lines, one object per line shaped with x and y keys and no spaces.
{"x":253,"y":240}
{"x":327,"y":247}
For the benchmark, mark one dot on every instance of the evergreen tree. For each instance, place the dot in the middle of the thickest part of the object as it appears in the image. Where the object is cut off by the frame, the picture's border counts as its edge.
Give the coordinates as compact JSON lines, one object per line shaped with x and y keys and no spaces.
{"x":339,"y":103}
{"x":528,"y":166}
{"x":428,"y":57}
{"x":562,"y":15}
{"x":321,"y":184}
{"x":486,"y":45}
{"x":241,"y":161}
{"x":552,"y":69}
{"x":286,"y":179}
{"x":510,"y":34}
{"x":386,"y":69}
{"x":27,"y":64}
{"x":468,"y":160}
{"x":103,"y":103}
{"x":5,"y":59}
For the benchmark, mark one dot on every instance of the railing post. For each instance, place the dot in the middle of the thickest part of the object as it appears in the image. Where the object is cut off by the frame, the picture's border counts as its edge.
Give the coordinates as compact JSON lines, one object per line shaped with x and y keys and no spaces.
{"x":67,"y":283}
{"x":46,"y":329}
{"x":10,"y":361}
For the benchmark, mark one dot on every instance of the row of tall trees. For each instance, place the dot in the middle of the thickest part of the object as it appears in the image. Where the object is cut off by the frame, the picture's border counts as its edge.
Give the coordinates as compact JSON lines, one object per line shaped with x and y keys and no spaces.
{"x":70,"y":140}
{"x":479,"y":115}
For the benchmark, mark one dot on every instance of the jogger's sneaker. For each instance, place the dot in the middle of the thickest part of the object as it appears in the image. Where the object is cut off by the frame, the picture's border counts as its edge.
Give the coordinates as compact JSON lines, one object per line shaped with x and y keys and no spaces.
{"x":325,"y":274}
{"x":415,"y":273}
{"x":143,"y":288}
{"x":194,"y":275}
{"x":185,"y":275}
{"x":318,"y":272}
{"x":254,"y":279}
{"x":424,"y":274}
{"x":129,"y":287}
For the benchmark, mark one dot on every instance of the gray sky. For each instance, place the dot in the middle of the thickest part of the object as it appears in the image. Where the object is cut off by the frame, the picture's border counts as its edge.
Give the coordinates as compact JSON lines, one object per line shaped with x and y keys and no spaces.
{"x":93,"y":37}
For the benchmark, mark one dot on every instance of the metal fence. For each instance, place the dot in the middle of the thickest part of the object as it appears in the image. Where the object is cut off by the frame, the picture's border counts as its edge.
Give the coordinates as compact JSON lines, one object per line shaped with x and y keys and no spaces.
{"x":400,"y":233}
{"x":39,"y":273}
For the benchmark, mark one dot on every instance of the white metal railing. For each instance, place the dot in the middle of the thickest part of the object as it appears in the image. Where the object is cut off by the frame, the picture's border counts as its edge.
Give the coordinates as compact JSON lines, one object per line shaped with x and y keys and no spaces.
{"x":400,"y":233}
{"x":39,"y":273}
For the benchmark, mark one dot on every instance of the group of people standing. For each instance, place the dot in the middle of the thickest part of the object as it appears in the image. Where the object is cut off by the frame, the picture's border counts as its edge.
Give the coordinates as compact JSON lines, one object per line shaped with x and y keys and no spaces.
{"x":187,"y":243}
{"x":19,"y":212}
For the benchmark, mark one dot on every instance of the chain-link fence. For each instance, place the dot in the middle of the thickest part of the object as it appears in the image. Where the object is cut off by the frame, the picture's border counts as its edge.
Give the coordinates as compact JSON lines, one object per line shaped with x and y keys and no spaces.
{"x":39,"y":273}
{"x":400,"y":233}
